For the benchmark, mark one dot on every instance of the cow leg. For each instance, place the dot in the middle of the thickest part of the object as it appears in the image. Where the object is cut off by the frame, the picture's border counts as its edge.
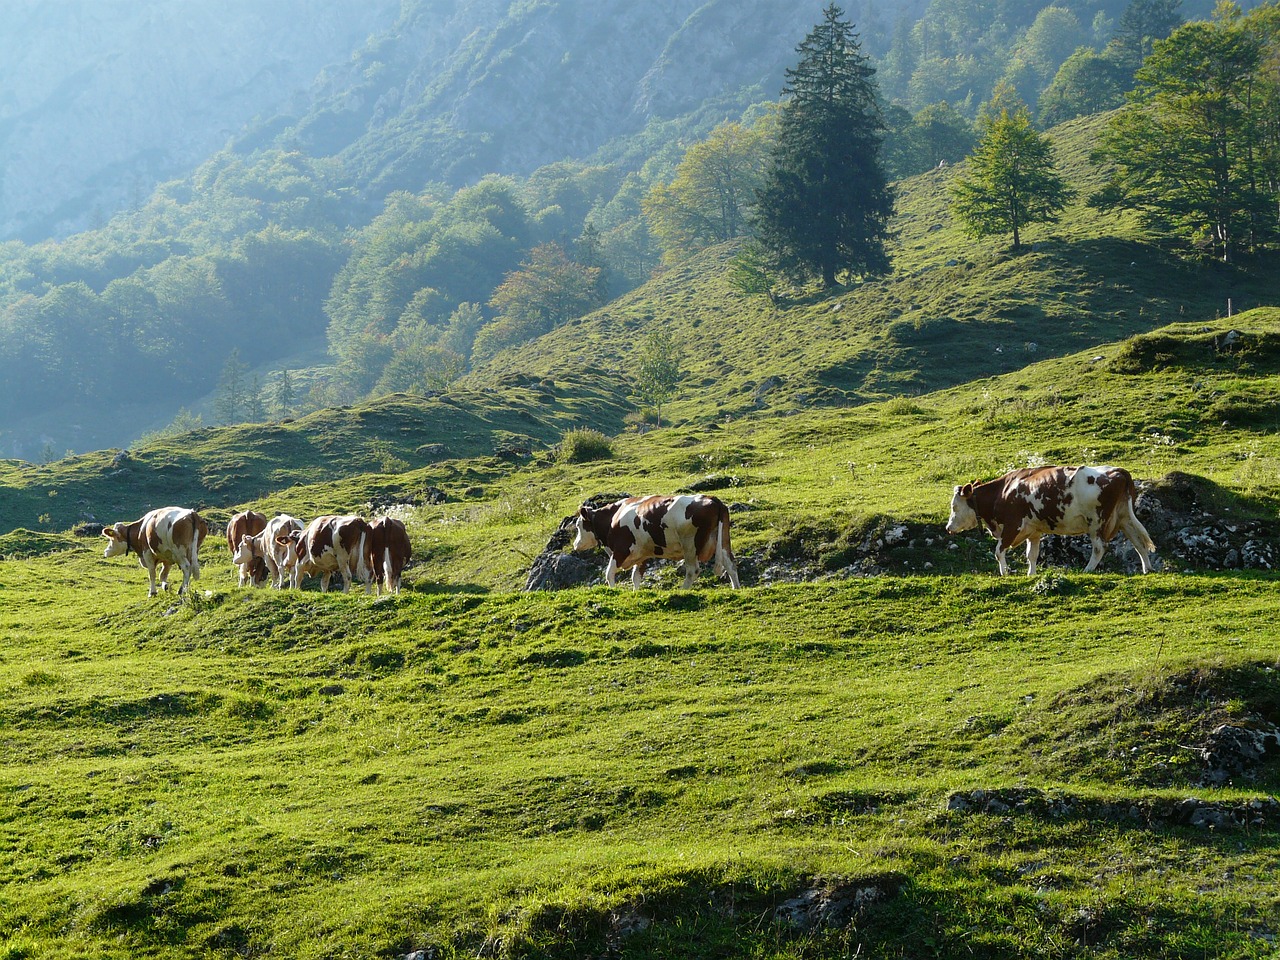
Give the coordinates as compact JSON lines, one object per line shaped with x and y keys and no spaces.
{"x":1099,"y":547}
{"x":690,"y":548}
{"x":611,"y":571}
{"x":1033,"y":554}
{"x":324,"y":582}
{"x":151,"y":574}
{"x":164,"y":574}
{"x":1002,"y":565}
{"x":637,"y":575}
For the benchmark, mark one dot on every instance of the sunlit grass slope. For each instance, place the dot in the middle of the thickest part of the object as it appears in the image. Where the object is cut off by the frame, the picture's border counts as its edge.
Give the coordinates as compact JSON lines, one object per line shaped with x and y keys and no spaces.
{"x":218,"y":467}
{"x":953,"y":310}
{"x":643,"y":775}
{"x":813,"y":485}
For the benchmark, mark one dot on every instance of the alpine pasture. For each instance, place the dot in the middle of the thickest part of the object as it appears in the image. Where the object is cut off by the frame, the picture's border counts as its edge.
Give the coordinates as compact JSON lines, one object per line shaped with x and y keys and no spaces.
{"x":927,"y":761}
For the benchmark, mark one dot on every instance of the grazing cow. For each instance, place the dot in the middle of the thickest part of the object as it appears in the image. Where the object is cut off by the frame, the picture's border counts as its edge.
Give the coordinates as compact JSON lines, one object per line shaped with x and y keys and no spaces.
{"x":389,"y":551}
{"x":240,"y":526}
{"x":331,"y":544}
{"x":161,"y":538}
{"x":637,"y":529}
{"x":271,"y":548}
{"x":1027,"y":504}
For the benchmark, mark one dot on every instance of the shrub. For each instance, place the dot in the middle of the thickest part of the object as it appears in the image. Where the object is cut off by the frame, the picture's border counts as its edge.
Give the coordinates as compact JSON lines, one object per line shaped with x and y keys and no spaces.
{"x":582,"y":444}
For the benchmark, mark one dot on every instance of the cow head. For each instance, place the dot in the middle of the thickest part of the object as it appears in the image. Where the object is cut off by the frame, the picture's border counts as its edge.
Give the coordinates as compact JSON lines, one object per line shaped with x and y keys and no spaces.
{"x":593,"y":525}
{"x":117,"y":540}
{"x":585,"y":537}
{"x":963,"y":516}
{"x":249,"y":548}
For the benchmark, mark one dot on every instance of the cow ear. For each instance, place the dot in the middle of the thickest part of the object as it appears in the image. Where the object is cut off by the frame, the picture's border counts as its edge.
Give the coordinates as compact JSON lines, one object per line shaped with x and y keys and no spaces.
{"x":967,"y":490}
{"x":110,"y":533}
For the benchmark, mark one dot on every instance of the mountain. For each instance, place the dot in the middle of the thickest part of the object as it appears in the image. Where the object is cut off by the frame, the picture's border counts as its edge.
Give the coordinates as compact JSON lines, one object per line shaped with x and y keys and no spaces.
{"x":102,"y":99}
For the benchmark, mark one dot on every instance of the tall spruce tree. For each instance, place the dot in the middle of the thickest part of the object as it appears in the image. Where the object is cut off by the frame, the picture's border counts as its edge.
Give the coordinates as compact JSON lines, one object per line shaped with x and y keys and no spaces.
{"x":826,"y":202}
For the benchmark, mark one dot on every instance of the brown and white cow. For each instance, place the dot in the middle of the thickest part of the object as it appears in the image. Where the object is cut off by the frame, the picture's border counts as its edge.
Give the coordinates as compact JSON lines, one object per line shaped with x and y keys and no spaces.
{"x":328,"y":545}
{"x":389,"y":551}
{"x":161,"y":538}
{"x":636,"y":530}
{"x":1030,"y":503}
{"x":272,"y":549}
{"x":240,"y":526}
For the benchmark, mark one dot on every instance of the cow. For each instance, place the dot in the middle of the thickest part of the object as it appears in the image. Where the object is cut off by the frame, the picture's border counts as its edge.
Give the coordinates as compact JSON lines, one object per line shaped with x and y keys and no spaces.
{"x":1029,"y":503}
{"x":271,"y":548}
{"x":240,"y":526}
{"x":636,"y":530}
{"x":161,"y":538}
{"x":331,"y":544}
{"x":389,"y":551}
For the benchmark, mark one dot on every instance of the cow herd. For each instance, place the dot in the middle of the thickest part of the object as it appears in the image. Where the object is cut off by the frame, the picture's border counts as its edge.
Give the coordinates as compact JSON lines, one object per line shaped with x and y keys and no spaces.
{"x":1021,"y":506}
{"x":282,"y":550}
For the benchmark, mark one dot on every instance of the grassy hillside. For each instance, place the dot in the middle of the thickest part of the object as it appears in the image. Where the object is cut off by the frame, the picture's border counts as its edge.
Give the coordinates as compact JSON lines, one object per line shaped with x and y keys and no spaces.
{"x":927,"y":762}
{"x":218,"y":467}
{"x":940,"y":766}
{"x":813,"y":486}
{"x":954,"y":309}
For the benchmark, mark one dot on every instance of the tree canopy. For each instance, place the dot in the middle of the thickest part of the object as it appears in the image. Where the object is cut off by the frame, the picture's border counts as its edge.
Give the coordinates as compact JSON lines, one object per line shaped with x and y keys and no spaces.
{"x":825,"y":204}
{"x":1213,"y":89}
{"x":1011,"y":180}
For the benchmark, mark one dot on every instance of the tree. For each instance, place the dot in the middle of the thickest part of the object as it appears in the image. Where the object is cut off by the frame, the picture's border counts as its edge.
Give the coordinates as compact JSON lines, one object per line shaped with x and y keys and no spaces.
{"x":707,"y":201}
{"x":1050,"y":40}
{"x":1085,"y":84}
{"x":1198,"y":89}
{"x":547,"y":290}
{"x":825,"y":204}
{"x":750,"y":275}
{"x":229,"y":401}
{"x":658,"y":370}
{"x":255,"y":406}
{"x":1141,"y":25}
{"x":1010,"y":181}
{"x":284,"y":395}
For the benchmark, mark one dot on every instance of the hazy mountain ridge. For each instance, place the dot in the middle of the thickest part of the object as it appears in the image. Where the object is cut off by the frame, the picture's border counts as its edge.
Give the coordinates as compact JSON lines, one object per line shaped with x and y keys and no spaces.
{"x":101,"y":100}
{"x":462,"y":89}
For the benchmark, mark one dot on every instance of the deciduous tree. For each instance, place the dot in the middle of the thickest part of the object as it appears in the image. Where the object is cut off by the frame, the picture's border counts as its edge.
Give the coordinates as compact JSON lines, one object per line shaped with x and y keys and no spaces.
{"x":1199,"y":90}
{"x":1010,"y":180}
{"x":708,"y":200}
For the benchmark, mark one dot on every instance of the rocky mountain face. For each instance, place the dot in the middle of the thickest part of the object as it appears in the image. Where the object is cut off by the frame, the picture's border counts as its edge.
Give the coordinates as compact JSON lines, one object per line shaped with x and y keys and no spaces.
{"x":102,"y":99}
{"x":464,"y":87}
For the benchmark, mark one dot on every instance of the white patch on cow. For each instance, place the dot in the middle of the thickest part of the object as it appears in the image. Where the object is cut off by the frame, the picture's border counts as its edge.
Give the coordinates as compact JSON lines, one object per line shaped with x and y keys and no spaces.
{"x":962,"y":515}
{"x":584,"y":539}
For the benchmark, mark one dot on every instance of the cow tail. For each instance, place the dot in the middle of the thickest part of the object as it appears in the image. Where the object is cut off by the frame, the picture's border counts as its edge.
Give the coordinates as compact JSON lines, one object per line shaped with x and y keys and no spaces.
{"x":193,"y":556}
{"x":1132,"y":503}
{"x":362,"y":564}
{"x":386,"y":568}
{"x":724,"y":555}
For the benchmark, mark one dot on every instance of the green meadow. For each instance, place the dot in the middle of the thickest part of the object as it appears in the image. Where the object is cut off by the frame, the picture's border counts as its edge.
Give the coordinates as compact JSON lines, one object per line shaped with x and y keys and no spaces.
{"x":928,"y":762}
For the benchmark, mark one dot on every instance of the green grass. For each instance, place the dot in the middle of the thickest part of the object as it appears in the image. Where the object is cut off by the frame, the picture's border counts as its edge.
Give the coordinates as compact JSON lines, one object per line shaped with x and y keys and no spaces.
{"x":471,"y":771}
{"x":311,"y":776}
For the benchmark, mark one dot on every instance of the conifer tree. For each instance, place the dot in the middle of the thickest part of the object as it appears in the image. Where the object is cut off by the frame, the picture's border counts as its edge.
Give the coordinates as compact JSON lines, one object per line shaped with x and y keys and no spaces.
{"x":826,"y":202}
{"x":1011,"y":180}
{"x":229,"y":401}
{"x":284,"y":395}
